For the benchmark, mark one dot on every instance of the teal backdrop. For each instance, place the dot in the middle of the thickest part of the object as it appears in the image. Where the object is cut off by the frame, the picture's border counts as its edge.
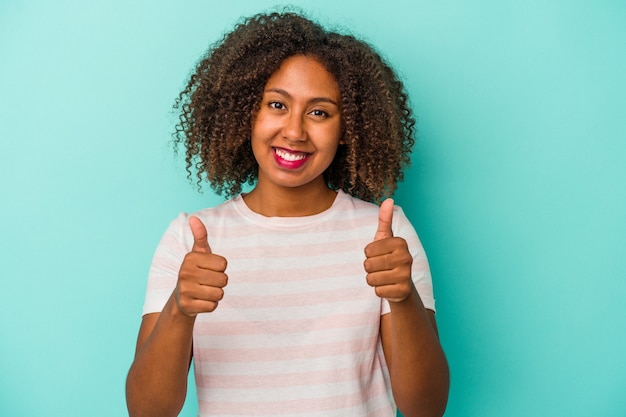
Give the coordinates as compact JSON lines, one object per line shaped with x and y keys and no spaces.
{"x":516,"y":189}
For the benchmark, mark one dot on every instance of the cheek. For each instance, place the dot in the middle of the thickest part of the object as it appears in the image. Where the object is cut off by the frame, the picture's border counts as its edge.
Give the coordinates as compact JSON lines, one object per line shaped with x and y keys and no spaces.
{"x":256,"y":143}
{"x":262,"y":125}
{"x":333,"y":136}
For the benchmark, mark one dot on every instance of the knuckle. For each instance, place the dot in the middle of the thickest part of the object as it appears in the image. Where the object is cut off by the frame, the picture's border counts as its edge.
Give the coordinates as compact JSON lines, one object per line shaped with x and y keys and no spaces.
{"x":183,"y":288}
{"x":406,"y":258}
{"x":400,"y":242}
{"x":369,"y":248}
{"x":183,"y":305}
{"x":379,"y":291}
{"x":367,"y":265}
{"x":220,"y":294}
{"x":184,"y":276}
{"x":218,"y":263}
{"x":189,"y":257}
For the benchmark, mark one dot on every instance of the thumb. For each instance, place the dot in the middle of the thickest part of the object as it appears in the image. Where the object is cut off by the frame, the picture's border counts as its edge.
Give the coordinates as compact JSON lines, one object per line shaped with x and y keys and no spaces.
{"x":200,"y":235}
{"x":385,"y":214}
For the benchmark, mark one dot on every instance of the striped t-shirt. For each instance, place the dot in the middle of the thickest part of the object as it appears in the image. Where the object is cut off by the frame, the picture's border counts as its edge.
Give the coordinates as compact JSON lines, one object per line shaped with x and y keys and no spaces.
{"x":297,"y":332}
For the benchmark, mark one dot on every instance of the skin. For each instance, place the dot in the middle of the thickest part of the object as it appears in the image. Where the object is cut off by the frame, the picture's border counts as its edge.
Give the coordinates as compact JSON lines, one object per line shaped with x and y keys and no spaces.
{"x":299,"y":116}
{"x":417,"y":365}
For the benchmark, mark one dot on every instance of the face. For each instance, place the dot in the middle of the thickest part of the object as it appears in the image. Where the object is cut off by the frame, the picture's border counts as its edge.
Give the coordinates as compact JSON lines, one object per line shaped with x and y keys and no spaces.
{"x":297,"y":129}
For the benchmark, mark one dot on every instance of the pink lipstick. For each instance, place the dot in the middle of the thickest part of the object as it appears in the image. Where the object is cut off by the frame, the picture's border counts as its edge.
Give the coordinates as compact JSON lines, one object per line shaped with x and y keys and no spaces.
{"x":289,"y":159}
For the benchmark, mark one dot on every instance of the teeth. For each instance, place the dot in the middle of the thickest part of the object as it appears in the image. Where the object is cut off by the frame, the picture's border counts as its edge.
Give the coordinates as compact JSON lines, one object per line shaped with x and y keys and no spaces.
{"x":288,"y":156}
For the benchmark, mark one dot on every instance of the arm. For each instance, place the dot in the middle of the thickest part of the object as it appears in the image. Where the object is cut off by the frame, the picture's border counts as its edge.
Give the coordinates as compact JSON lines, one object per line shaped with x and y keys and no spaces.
{"x":417,"y":365}
{"x":157,"y":381}
{"x":156,"y":385}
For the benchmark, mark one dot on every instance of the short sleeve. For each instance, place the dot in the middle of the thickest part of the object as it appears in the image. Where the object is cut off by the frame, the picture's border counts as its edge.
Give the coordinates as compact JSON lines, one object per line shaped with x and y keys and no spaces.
{"x":420,"y":271}
{"x":168,"y":257}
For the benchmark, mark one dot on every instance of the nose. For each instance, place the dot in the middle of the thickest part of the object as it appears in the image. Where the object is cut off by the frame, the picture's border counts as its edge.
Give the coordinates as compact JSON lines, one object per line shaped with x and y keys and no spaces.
{"x":293,"y":128}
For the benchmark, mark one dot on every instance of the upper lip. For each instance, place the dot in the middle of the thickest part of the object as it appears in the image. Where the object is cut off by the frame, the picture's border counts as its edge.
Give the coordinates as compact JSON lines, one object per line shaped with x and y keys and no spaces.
{"x":292,"y":151}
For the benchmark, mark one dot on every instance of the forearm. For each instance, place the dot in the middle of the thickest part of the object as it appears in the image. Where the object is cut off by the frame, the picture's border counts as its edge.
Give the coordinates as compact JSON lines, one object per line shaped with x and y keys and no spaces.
{"x":419,"y":370}
{"x":157,"y":381}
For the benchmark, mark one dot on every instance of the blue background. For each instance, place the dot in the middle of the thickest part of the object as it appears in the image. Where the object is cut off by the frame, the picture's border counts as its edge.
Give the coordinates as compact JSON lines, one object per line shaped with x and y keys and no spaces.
{"x":516,"y":189}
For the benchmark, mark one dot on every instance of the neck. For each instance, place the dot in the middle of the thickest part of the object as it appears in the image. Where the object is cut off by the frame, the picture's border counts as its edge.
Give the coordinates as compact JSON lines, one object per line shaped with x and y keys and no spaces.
{"x":289,"y":202}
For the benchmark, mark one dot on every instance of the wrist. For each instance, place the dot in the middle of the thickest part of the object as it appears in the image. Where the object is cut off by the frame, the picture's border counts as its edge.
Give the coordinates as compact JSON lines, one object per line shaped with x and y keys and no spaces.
{"x":411,"y":299}
{"x":177,"y":314}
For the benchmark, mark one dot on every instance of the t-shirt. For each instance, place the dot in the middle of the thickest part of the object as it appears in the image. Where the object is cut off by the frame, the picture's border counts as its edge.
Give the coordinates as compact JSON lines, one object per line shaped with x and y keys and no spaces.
{"x":297,"y":332}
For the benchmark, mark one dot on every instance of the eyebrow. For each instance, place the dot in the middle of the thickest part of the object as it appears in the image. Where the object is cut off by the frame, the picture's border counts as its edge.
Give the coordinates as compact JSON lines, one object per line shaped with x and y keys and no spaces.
{"x":313,"y":100}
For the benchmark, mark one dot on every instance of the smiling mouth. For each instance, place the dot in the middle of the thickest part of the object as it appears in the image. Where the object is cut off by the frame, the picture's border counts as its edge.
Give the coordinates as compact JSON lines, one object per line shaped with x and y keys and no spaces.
{"x":290,"y":160}
{"x":290,"y":156}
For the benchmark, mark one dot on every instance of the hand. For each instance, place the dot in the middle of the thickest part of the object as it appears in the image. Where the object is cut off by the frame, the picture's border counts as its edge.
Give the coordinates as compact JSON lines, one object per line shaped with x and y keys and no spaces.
{"x":388,"y":260}
{"x":201,"y":278}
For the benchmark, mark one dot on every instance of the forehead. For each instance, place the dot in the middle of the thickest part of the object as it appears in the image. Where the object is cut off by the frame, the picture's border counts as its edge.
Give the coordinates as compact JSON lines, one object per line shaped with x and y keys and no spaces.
{"x":304,"y":75}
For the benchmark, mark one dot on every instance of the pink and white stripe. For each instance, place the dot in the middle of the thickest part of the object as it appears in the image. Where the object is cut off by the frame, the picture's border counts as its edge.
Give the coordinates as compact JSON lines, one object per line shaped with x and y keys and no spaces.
{"x":297,"y":332}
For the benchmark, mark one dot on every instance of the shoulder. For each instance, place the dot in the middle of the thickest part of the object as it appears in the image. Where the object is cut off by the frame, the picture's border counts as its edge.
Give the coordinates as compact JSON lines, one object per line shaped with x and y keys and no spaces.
{"x":215,"y":215}
{"x":347,"y":202}
{"x":366,"y":209}
{"x":179,"y":231}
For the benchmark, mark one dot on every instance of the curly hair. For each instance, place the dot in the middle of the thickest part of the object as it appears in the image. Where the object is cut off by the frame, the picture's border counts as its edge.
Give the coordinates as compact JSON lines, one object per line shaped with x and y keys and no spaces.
{"x":222,"y":97}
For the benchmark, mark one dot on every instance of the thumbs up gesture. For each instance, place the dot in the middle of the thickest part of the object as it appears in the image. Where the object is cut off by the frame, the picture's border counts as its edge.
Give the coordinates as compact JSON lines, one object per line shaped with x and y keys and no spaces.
{"x":388,"y":260}
{"x":201,"y":277}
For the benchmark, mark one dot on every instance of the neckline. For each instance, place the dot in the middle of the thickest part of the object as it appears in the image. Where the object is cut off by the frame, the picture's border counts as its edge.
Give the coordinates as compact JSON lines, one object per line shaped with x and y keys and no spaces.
{"x":272,"y":222}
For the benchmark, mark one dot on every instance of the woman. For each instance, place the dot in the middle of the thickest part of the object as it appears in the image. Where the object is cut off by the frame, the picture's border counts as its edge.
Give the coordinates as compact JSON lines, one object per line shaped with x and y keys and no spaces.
{"x":300,"y":297}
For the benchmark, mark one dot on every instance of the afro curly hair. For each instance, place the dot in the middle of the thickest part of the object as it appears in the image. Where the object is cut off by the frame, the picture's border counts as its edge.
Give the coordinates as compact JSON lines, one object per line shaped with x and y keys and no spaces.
{"x":220,"y":101}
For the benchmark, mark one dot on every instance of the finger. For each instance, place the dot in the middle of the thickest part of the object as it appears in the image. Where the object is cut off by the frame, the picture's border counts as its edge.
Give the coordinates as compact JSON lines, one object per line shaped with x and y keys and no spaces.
{"x":214,"y":280}
{"x":385,"y":215}
{"x":194,"y":306}
{"x":203,"y":306}
{"x":386,"y":286}
{"x":377,"y":264}
{"x":401,"y":262}
{"x":392,"y":293}
{"x":200,"y":235}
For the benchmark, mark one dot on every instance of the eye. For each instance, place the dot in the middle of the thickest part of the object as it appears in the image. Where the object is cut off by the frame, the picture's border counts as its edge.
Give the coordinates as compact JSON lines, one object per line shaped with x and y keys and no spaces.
{"x":319,"y":113}
{"x":276,"y":105}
